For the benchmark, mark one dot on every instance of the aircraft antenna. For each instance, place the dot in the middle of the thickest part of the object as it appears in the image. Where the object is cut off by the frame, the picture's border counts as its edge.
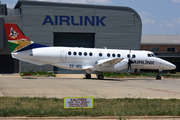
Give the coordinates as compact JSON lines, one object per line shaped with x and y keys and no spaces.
{"x":104,"y":47}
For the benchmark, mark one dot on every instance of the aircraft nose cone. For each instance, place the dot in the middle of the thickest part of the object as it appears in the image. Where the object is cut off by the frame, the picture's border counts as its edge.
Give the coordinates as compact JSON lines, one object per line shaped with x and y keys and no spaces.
{"x":170,"y":66}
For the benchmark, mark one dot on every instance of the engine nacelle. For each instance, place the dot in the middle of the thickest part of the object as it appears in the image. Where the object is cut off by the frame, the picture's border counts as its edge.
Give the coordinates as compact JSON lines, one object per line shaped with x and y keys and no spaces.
{"x":121,"y":65}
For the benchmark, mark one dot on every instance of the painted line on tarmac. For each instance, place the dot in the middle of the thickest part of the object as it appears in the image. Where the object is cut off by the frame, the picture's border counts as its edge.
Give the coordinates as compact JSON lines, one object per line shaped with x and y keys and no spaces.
{"x":164,"y":91}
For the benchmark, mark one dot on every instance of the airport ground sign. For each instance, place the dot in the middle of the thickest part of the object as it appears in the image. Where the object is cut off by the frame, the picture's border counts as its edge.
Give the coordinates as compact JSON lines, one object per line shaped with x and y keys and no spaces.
{"x":78,"y":102}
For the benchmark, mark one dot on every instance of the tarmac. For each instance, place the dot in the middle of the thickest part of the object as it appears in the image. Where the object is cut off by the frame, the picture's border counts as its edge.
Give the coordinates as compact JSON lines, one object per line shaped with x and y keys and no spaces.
{"x":79,"y":87}
{"x":60,"y":87}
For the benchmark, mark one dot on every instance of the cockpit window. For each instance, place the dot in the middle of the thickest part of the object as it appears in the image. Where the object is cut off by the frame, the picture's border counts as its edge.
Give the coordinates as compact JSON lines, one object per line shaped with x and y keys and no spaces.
{"x":153,"y":55}
{"x":149,"y":55}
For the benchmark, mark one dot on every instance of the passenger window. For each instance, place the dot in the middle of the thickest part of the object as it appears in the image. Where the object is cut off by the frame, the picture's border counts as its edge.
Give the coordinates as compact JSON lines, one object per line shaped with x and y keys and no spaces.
{"x":113,"y":55}
{"x":118,"y":55}
{"x":69,"y":53}
{"x":100,"y":54}
{"x":75,"y":53}
{"x":80,"y":53}
{"x":134,"y":56}
{"x":85,"y":54}
{"x":128,"y":56}
{"x":90,"y":54}
{"x":108,"y":55}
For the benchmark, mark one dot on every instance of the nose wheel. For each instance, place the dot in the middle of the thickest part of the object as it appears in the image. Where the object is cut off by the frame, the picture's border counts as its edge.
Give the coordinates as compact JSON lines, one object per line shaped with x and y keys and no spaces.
{"x":158,"y":78}
{"x":100,"y":76}
{"x":159,"y":75}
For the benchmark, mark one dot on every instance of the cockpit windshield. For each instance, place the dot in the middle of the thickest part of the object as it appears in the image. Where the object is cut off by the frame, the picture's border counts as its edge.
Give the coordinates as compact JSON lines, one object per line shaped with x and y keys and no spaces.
{"x":151,"y":55}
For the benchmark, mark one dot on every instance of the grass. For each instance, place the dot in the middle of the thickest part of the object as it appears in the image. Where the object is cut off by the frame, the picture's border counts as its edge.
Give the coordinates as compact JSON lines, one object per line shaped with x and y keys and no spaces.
{"x":38,"y":74}
{"x":42,"y":107}
{"x":141,"y":74}
{"x":118,"y":74}
{"x":173,"y":76}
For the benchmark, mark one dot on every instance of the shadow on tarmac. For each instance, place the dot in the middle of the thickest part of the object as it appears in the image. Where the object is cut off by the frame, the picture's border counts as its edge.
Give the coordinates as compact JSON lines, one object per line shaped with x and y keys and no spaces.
{"x":121,"y":79}
{"x":28,"y":78}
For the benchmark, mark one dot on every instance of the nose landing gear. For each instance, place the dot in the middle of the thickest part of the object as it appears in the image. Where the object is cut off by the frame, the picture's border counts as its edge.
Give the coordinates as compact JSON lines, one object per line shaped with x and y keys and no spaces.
{"x":159,"y":75}
{"x":100,"y":75}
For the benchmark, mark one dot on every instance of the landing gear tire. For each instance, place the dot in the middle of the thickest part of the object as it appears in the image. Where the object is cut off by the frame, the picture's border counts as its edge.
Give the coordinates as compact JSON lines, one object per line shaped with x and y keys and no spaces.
{"x":101,"y":77}
{"x":158,"y":78}
{"x":88,"y":76}
{"x":159,"y":75}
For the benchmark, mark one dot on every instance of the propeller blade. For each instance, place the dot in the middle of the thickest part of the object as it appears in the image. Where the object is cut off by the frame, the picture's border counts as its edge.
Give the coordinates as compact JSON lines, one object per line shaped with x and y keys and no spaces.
{"x":129,"y":64}
{"x":130,"y":60}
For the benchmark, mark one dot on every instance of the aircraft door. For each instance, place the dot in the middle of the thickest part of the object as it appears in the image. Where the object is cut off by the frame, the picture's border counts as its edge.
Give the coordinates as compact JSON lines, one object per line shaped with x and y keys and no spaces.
{"x":100,"y":55}
{"x":63,"y":56}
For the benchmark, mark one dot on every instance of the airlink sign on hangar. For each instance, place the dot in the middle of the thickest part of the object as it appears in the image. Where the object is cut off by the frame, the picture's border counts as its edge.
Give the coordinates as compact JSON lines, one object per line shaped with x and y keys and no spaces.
{"x":77,"y":25}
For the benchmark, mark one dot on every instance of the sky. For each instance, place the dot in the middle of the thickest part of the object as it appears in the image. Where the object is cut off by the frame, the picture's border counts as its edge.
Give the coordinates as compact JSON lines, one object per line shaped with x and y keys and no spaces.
{"x":159,"y":17}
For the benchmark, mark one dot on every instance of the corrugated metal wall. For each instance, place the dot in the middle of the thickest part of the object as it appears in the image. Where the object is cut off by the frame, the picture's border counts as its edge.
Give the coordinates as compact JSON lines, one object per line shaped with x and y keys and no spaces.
{"x":122,"y":30}
{"x":85,"y":40}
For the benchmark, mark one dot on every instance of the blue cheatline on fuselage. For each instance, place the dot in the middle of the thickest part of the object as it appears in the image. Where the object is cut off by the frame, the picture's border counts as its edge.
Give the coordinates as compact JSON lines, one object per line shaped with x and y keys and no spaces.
{"x":32,"y":46}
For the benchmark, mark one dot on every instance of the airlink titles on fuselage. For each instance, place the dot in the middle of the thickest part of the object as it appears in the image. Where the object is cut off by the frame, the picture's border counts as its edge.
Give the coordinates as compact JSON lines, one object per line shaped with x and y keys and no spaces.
{"x":144,"y":62}
{"x":76,"y":21}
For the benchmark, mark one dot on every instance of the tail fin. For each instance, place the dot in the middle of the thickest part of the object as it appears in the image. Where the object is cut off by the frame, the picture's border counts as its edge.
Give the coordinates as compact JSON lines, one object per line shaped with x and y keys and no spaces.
{"x":15,"y":36}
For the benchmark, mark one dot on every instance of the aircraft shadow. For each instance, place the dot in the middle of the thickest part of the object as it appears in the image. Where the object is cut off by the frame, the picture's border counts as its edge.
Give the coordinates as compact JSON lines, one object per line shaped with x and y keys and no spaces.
{"x":29,"y":78}
{"x":121,"y":79}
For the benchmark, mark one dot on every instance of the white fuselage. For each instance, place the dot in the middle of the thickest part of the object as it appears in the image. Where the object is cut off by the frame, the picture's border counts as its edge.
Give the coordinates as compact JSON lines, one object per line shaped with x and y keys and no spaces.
{"x":81,"y":58}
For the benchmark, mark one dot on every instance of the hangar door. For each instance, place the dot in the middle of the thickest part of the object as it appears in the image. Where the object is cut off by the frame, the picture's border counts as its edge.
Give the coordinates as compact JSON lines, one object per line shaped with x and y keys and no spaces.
{"x":85,"y":40}
{"x":8,"y":64}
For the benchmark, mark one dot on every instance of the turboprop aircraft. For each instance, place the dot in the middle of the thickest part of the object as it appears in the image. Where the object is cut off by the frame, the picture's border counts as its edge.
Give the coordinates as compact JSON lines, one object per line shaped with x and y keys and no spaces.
{"x":87,"y":59}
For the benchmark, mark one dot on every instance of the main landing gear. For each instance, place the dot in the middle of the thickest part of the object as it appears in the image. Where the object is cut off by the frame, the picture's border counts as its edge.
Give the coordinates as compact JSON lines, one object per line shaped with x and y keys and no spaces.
{"x":88,"y":76}
{"x":100,"y":76}
{"x":159,"y":75}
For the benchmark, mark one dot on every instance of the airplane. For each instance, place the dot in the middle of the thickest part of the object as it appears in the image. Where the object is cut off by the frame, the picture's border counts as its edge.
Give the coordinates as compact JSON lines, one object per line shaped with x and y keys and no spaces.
{"x":89,"y":60}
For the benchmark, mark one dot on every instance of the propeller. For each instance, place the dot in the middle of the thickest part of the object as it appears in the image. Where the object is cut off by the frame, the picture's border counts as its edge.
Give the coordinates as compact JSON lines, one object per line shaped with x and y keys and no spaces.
{"x":130,"y":61}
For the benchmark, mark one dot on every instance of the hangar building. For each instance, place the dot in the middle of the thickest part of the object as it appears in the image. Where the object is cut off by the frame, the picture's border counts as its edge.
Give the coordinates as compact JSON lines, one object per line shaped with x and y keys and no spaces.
{"x":74,"y":25}
{"x":166,"y":47}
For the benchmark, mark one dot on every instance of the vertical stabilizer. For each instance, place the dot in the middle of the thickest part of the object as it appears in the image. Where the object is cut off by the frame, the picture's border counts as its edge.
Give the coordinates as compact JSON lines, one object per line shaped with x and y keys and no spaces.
{"x":15,"y":36}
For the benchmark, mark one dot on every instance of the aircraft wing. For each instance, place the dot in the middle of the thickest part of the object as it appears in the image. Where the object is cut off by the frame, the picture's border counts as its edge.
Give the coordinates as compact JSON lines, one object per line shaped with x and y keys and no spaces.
{"x":104,"y":63}
{"x":107,"y":62}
